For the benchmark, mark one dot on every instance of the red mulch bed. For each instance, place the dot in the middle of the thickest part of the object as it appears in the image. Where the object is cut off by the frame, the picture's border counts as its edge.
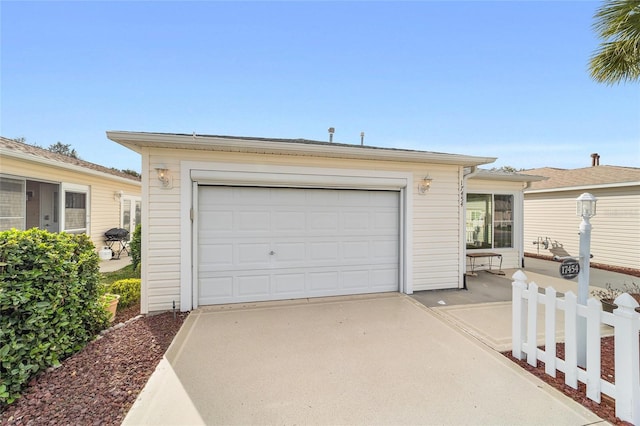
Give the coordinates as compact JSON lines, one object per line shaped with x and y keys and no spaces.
{"x":606,"y":409}
{"x":99,"y":384}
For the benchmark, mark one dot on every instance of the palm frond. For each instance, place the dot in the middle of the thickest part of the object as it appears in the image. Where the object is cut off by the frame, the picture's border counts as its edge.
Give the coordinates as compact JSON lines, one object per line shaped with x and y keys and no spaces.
{"x":618,"y":56}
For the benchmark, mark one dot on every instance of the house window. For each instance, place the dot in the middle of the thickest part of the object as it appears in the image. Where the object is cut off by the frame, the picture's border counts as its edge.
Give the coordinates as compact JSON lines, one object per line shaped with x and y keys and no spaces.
{"x":75,"y":211}
{"x":12,"y":203}
{"x":489,"y":221}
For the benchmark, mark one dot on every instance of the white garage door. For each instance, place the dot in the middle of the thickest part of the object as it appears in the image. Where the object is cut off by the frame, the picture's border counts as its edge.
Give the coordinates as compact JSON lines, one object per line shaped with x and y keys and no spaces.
{"x":259,"y":244}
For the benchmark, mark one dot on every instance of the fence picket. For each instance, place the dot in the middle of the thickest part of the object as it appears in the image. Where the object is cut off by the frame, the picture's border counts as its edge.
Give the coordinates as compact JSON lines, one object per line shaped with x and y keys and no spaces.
{"x":532,"y":326}
{"x":570,"y":340}
{"x":626,"y":359}
{"x":593,"y":381}
{"x":550,"y":331}
{"x":518,"y":313}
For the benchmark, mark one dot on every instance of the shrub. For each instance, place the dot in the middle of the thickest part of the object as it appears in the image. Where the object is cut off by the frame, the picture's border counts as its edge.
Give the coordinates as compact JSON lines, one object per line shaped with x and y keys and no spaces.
{"x":610,"y":293}
{"x":49,"y":305}
{"x":135,"y":246}
{"x":129,"y":291}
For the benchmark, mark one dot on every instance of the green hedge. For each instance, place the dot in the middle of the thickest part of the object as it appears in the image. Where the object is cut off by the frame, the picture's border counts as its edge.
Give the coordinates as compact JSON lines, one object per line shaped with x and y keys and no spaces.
{"x":135,"y":246}
{"x":128,"y":289}
{"x":49,"y":309}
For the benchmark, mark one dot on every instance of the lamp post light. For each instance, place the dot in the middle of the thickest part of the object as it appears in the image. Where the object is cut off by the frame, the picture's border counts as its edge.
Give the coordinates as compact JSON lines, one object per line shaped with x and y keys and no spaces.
{"x":586,"y":209}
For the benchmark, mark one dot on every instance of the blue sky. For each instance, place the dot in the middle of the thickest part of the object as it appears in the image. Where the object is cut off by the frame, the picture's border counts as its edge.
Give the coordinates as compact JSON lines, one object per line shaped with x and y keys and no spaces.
{"x":505,"y":79}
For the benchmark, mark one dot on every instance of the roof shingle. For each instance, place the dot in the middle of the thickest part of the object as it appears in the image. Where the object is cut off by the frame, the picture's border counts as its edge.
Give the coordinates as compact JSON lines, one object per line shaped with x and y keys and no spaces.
{"x":13,"y":145}
{"x":586,"y":176}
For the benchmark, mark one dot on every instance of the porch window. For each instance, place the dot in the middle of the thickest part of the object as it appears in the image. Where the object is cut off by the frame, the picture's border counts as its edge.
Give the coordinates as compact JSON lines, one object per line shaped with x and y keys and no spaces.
{"x":12,"y":203}
{"x":75,"y":212}
{"x":489,"y":221}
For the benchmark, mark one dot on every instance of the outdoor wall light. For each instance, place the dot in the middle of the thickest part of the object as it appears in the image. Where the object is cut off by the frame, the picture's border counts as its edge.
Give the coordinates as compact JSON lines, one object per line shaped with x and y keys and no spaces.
{"x":118,"y":195}
{"x":586,"y":206}
{"x":163,"y":175}
{"x":425,"y":184}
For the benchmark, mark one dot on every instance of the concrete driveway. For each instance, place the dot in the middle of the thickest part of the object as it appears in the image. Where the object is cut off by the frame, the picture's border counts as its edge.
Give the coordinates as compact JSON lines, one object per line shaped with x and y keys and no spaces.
{"x":381,"y":359}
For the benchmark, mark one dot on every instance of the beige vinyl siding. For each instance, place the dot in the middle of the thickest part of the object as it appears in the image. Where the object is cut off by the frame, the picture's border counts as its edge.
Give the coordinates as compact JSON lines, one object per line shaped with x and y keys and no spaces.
{"x":436,"y":226}
{"x":436,"y":217}
{"x":104,"y":207}
{"x":615,"y":228}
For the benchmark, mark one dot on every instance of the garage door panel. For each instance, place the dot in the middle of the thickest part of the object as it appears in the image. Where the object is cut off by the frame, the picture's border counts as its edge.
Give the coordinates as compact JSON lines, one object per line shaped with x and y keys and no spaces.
{"x":290,"y":252}
{"x":322,"y":198}
{"x":214,"y":289}
{"x":355,"y":221}
{"x":218,"y":255}
{"x":289,"y":284}
{"x":324,"y":221}
{"x":386,"y":221}
{"x":253,"y":253}
{"x":253,"y":285}
{"x":218,"y":221}
{"x":279,"y":243}
{"x":323,"y":281}
{"x":355,"y":250}
{"x":253,"y":221}
{"x":290,"y":221}
{"x":384,"y":250}
{"x":355,"y":279}
{"x":323,"y":251}
{"x":385,"y":278}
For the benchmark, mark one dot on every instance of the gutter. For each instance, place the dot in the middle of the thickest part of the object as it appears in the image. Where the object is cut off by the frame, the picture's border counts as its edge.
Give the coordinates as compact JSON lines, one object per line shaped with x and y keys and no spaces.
{"x":473,"y":170}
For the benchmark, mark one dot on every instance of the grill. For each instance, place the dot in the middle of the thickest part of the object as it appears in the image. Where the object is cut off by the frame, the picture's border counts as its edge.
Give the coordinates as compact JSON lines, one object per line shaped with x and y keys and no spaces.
{"x":116,"y":239}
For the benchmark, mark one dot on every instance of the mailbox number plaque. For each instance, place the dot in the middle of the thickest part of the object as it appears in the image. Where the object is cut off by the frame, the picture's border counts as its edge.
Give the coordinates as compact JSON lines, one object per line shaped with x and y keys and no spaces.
{"x":569,"y":269}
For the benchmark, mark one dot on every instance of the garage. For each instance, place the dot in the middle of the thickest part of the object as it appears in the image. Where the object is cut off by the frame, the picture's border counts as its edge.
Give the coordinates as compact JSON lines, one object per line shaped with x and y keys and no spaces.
{"x":273,"y":243}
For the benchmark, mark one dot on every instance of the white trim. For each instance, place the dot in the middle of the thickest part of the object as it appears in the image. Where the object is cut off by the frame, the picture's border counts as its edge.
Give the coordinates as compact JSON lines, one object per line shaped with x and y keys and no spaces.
{"x":195,"y":242}
{"x":144,"y":235}
{"x":194,"y":173}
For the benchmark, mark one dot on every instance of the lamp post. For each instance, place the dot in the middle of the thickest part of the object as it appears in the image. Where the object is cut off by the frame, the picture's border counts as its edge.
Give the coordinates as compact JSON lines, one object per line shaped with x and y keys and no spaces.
{"x":586,"y":209}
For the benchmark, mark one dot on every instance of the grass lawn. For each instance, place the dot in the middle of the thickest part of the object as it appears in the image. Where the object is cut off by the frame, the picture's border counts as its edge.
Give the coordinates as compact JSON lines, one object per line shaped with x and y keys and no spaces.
{"x":121,"y":274}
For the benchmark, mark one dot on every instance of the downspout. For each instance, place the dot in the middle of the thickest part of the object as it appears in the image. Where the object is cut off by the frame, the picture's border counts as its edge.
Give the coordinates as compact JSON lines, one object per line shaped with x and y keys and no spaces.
{"x":472,"y":171}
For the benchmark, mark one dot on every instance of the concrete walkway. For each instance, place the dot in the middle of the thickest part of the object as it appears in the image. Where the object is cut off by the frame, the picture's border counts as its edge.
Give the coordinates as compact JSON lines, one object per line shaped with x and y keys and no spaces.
{"x":484,"y":310}
{"x":113,"y":265}
{"x":381,"y":359}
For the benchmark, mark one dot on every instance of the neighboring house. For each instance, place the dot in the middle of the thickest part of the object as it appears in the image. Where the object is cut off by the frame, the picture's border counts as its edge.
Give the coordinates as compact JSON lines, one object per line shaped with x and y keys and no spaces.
{"x":233,"y":219}
{"x":551,"y":224}
{"x":42,"y":189}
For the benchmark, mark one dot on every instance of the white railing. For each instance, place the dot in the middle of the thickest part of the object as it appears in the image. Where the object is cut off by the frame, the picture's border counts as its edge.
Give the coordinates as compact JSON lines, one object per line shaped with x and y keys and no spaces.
{"x":625,"y":320}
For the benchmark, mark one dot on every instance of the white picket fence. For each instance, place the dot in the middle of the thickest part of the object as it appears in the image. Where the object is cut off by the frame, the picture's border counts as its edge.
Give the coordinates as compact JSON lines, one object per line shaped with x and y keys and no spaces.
{"x":625,"y":320}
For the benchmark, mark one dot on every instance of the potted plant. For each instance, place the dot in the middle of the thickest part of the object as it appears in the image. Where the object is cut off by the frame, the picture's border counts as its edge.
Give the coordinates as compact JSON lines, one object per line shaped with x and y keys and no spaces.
{"x":110,"y":304}
{"x":609,"y":294}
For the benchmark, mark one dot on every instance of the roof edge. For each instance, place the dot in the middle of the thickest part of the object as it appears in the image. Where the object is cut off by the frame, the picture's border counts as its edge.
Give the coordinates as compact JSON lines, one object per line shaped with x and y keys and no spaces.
{"x":137,"y":140}
{"x":50,"y":162}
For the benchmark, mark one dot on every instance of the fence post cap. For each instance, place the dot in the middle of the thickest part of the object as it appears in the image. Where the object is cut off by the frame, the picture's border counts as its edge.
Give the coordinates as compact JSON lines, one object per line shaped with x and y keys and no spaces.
{"x":519,"y":276}
{"x":626,"y":304}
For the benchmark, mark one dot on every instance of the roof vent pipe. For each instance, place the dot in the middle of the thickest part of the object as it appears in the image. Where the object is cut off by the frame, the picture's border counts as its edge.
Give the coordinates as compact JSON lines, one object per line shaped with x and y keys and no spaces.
{"x":595,"y":159}
{"x":361,"y":138}
{"x":331,"y":132}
